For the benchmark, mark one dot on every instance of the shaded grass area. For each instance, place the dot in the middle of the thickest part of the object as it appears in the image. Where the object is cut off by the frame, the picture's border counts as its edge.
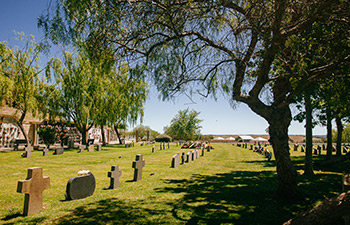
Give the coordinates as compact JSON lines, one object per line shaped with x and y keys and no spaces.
{"x":229,"y":185}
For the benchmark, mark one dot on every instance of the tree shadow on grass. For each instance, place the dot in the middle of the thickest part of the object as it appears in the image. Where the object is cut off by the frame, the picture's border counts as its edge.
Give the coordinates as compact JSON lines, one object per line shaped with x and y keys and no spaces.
{"x":243,"y":198}
{"x":109,"y":211}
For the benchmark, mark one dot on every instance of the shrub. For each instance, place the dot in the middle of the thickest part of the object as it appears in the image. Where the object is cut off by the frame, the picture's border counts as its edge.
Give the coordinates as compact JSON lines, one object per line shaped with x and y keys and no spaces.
{"x":163,"y":138}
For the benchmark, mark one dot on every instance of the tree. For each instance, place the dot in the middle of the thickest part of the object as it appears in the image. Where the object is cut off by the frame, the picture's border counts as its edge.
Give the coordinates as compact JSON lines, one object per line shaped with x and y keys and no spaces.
{"x":20,"y":77}
{"x":184,"y":125}
{"x":204,"y":46}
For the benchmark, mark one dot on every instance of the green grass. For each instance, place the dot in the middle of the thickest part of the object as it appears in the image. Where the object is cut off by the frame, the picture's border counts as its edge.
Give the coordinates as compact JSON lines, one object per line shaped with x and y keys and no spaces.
{"x":229,"y":185}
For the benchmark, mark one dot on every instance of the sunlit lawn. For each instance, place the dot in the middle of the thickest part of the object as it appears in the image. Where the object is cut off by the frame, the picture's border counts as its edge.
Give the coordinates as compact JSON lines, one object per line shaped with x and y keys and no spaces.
{"x":229,"y":185}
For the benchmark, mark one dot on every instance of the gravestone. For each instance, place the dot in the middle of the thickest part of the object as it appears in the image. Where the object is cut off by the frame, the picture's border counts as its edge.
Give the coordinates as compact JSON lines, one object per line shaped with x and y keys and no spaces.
{"x":203,"y":150}
{"x":114,"y":174}
{"x":160,"y":146}
{"x":193,"y":155}
{"x":175,"y":162}
{"x":168,"y":145}
{"x":82,"y":148}
{"x":58,"y":151}
{"x":189,"y":157}
{"x":99,"y":147}
{"x":314,"y":151}
{"x":197,"y":153}
{"x":133,"y":144}
{"x":70,"y":143}
{"x":319,"y":149}
{"x":80,"y":187}
{"x":28,"y":151}
{"x":164,"y":145}
{"x":153,"y":149}
{"x":323,"y":147}
{"x":45,"y":151}
{"x":246,"y":145}
{"x":91,"y":148}
{"x":302,"y":148}
{"x":138,"y":164}
{"x":177,"y":144}
{"x":183,"y":158}
{"x":33,"y":188}
{"x":251,"y":147}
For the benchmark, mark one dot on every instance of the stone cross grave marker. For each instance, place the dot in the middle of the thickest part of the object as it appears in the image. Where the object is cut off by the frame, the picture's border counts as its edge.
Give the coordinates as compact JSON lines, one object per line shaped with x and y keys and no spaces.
{"x":45,"y":151}
{"x":91,"y":148}
{"x":175,"y":162}
{"x":80,"y":187}
{"x":138,"y":164}
{"x":153,"y":149}
{"x":203,"y":150}
{"x":99,"y":147}
{"x":183,"y":158}
{"x":114,"y":174}
{"x":189,"y":157}
{"x":82,"y":148}
{"x":28,"y":151}
{"x":33,"y":188}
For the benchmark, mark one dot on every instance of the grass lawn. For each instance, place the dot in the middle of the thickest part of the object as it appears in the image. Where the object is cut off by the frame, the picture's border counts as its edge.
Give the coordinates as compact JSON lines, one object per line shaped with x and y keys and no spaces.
{"x":229,"y":185}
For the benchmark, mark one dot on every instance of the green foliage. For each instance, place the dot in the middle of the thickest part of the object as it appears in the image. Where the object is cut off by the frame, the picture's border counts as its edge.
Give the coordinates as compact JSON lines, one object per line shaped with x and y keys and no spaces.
{"x":48,"y":134}
{"x":142,"y":132}
{"x":163,"y":138}
{"x":345,"y":134}
{"x":20,"y":76}
{"x":185,"y":125}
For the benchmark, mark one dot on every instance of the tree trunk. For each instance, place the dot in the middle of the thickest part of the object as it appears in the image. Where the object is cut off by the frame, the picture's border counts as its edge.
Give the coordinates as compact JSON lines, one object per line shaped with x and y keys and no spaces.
{"x":118,"y":135}
{"x":103,"y":136}
{"x":20,"y":125}
{"x":82,"y":129}
{"x":308,"y":169}
{"x":329,"y":134}
{"x":340,"y":133}
{"x":287,"y":176}
{"x":329,"y":211}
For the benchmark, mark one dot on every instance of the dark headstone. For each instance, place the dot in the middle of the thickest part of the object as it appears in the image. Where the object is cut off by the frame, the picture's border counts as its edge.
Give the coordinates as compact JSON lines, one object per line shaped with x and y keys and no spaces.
{"x":33,"y":188}
{"x":183,"y":158}
{"x":153,"y":149}
{"x":203,"y":150}
{"x":302,"y":148}
{"x":82,"y":148}
{"x":175,"y":162}
{"x":80,"y":187}
{"x":58,"y":151}
{"x":319,"y":148}
{"x":99,"y":147}
{"x":91,"y":148}
{"x":164,"y":145}
{"x":251,"y":147}
{"x":138,"y":164}
{"x":168,"y":145}
{"x":189,"y":157}
{"x":160,"y":146}
{"x":114,"y":174}
{"x":45,"y":151}
{"x":323,"y":147}
{"x":314,"y":151}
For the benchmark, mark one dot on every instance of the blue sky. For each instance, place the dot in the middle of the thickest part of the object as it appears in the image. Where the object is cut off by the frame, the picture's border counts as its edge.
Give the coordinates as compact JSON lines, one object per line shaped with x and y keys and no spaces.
{"x":218,"y":117}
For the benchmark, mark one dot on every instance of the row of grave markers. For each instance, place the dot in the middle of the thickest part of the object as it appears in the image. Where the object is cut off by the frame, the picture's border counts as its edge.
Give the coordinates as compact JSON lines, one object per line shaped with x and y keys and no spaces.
{"x":78,"y":187}
{"x":187,"y":158}
{"x":59,"y":151}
